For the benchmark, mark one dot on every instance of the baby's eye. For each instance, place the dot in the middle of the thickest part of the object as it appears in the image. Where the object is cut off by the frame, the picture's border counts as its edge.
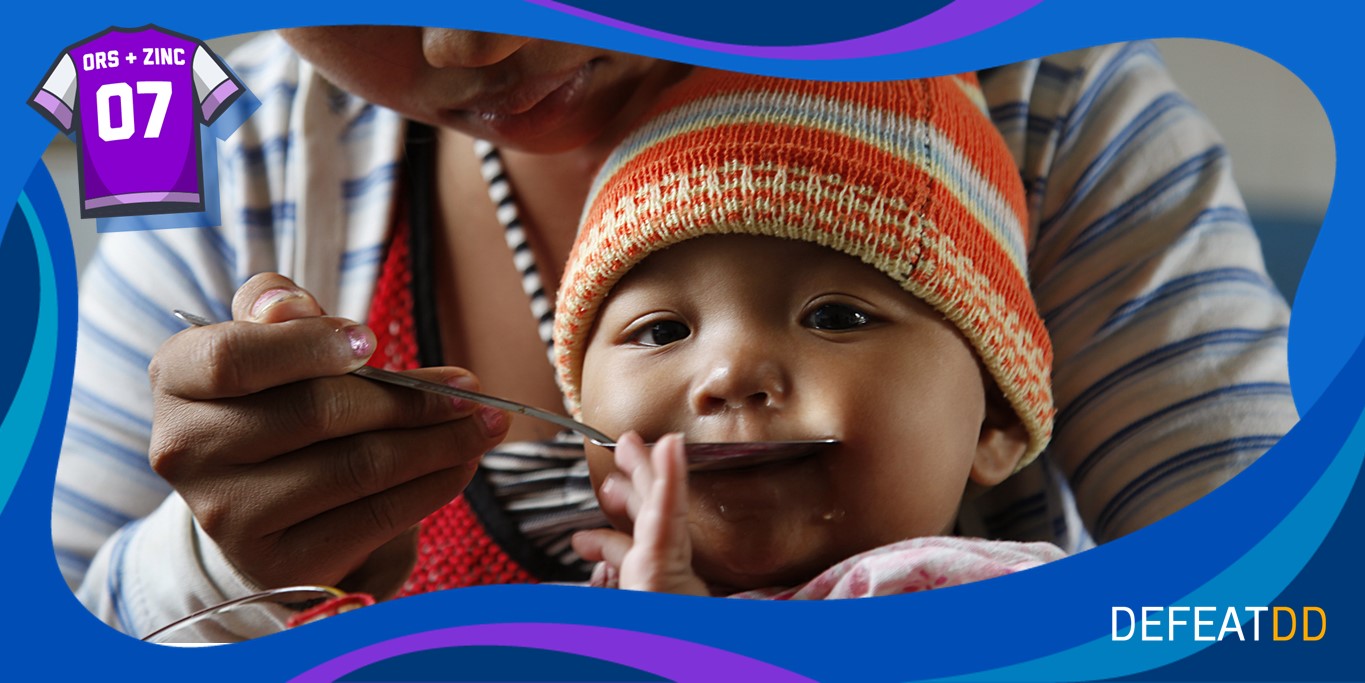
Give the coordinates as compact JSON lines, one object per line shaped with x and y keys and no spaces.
{"x":662,"y":333}
{"x":836,"y":317}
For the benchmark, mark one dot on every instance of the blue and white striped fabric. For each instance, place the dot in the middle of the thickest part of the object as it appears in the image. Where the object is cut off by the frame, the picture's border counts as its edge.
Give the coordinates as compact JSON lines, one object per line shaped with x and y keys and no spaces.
{"x":1170,"y":369}
{"x":1170,"y":340}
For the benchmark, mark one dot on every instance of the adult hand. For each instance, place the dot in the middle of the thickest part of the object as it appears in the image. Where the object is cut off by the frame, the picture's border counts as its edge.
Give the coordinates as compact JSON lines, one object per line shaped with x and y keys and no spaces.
{"x":300,"y":472}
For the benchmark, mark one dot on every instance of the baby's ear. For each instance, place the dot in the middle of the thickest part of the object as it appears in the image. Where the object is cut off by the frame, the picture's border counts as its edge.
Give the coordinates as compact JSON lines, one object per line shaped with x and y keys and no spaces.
{"x":1002,"y":442}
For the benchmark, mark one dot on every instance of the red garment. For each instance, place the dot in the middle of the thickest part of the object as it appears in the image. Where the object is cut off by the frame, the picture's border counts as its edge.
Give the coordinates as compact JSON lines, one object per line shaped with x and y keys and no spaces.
{"x":454,"y":549}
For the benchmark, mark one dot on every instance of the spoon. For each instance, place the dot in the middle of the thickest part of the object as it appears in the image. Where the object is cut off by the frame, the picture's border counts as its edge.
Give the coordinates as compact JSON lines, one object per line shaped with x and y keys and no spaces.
{"x":700,"y":456}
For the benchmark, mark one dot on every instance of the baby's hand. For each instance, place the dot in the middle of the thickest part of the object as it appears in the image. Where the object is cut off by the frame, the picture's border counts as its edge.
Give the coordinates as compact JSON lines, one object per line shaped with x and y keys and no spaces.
{"x":659,"y":557}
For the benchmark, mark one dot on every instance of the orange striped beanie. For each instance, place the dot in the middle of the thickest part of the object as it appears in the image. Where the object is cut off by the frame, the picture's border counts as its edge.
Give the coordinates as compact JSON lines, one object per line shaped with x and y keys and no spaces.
{"x":910,"y":177}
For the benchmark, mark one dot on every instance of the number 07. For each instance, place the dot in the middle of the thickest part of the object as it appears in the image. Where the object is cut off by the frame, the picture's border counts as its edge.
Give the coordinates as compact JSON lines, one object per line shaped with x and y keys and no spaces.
{"x":124,"y":94}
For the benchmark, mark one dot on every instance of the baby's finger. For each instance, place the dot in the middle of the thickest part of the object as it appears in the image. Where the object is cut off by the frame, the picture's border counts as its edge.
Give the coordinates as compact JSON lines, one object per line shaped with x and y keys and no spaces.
{"x":602,"y":545}
{"x":617,"y":497}
{"x":630,"y":453}
{"x":587,"y":548}
{"x":632,"y":458}
{"x":661,"y":528}
{"x":670,"y":466}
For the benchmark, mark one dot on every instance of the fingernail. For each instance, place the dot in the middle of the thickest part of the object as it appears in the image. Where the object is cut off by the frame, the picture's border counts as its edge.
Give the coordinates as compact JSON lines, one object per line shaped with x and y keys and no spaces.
{"x":361,"y":340}
{"x":270,"y":298}
{"x":467,"y":383}
{"x":494,"y":421}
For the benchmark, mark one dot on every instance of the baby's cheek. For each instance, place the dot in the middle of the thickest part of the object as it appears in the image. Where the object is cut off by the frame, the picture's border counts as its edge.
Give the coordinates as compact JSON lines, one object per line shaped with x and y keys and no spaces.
{"x":628,"y":406}
{"x":600,"y":464}
{"x":608,"y":415}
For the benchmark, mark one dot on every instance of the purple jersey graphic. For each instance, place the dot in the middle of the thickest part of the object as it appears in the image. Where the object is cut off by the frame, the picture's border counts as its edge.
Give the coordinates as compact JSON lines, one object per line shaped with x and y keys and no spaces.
{"x":137,"y":98}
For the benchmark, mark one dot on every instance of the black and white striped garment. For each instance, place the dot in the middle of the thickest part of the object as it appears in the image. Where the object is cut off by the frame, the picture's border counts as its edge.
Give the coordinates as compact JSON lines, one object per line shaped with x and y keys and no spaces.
{"x":543,"y":486}
{"x":540,"y":490}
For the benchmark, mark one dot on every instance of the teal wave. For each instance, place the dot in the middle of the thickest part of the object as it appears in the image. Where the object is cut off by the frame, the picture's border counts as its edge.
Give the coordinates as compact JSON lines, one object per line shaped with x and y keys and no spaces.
{"x":20,"y":426}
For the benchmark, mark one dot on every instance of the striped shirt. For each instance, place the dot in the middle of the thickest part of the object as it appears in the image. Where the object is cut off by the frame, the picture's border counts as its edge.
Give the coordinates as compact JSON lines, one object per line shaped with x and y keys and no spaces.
{"x":1171,"y":371}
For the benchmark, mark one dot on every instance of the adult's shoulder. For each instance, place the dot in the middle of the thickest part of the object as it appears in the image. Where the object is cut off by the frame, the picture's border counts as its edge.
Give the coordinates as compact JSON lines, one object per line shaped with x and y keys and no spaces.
{"x":1082,"y":69}
{"x":264,"y":62}
{"x":291,"y":91}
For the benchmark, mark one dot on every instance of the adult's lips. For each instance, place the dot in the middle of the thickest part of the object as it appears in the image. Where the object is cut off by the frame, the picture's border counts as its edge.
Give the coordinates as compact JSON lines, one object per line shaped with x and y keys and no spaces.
{"x":531,"y":106}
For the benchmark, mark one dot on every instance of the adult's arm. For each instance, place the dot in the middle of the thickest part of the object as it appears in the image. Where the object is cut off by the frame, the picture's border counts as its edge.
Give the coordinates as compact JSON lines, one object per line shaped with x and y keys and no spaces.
{"x":1170,"y":371}
{"x":267,"y":170}
{"x":105,"y":488}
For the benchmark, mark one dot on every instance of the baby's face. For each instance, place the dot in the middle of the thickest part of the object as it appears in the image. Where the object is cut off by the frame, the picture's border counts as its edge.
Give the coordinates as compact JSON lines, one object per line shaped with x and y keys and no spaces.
{"x":739,"y":338}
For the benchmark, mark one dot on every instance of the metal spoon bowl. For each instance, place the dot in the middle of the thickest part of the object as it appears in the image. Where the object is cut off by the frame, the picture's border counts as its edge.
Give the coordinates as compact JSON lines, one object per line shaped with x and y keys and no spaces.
{"x":700,"y":456}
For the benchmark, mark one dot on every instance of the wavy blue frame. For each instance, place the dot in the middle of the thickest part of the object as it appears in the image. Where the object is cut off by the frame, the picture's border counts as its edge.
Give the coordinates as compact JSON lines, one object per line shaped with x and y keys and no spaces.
{"x":1281,"y":533}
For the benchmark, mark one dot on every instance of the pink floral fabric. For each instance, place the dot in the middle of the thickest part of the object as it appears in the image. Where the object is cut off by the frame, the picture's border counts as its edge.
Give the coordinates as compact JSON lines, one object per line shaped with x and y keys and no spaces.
{"x":914,"y":565}
{"x":909,"y":566}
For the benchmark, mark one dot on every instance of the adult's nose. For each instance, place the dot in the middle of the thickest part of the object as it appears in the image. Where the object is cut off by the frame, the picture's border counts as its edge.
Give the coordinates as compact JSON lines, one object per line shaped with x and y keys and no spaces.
{"x":448,"y":48}
{"x":740,"y":376}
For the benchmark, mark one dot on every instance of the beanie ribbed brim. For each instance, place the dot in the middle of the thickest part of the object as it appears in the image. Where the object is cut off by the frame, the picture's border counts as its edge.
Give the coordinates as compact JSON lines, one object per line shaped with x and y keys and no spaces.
{"x":910,"y":177}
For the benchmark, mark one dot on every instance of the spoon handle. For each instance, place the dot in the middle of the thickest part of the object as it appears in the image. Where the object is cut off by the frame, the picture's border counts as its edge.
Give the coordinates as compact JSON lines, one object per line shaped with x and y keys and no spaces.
{"x":402,"y":380}
{"x":422,"y":385}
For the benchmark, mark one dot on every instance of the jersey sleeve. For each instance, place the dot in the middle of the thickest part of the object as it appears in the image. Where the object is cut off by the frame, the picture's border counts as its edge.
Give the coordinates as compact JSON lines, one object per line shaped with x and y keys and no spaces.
{"x":55,"y":99}
{"x":214,"y":86}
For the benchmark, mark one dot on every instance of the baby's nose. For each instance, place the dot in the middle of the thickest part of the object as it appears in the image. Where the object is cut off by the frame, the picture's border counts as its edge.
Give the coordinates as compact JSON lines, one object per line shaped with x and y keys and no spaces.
{"x":744,"y":379}
{"x":446,"y":48}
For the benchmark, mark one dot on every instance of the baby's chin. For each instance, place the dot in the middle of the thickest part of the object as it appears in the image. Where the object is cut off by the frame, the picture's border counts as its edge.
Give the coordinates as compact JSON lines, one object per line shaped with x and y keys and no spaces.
{"x":731,"y":565}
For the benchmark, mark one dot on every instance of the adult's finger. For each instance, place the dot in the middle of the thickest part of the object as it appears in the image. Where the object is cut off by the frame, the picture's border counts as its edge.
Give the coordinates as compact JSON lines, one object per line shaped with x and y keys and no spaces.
{"x":272,"y":298}
{"x":237,"y":358}
{"x":350,"y":533}
{"x":386,"y":569}
{"x":258,"y":427}
{"x":293,"y":488}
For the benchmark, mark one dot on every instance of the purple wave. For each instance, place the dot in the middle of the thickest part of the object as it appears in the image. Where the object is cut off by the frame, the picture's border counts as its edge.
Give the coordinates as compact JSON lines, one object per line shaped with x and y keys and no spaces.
{"x":677,"y":660}
{"x":957,"y":19}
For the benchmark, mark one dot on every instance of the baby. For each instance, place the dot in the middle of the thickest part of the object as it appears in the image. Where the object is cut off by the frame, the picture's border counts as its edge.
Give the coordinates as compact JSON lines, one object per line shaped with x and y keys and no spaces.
{"x":765,"y":259}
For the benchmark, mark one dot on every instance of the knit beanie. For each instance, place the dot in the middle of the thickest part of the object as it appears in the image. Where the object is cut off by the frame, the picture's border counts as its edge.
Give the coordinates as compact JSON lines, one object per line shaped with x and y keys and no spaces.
{"x":910,"y":177}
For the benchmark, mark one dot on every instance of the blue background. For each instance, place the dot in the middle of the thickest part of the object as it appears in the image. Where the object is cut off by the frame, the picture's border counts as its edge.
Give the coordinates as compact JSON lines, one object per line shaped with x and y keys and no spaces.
{"x":779,"y":25}
{"x":1263,"y":539}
